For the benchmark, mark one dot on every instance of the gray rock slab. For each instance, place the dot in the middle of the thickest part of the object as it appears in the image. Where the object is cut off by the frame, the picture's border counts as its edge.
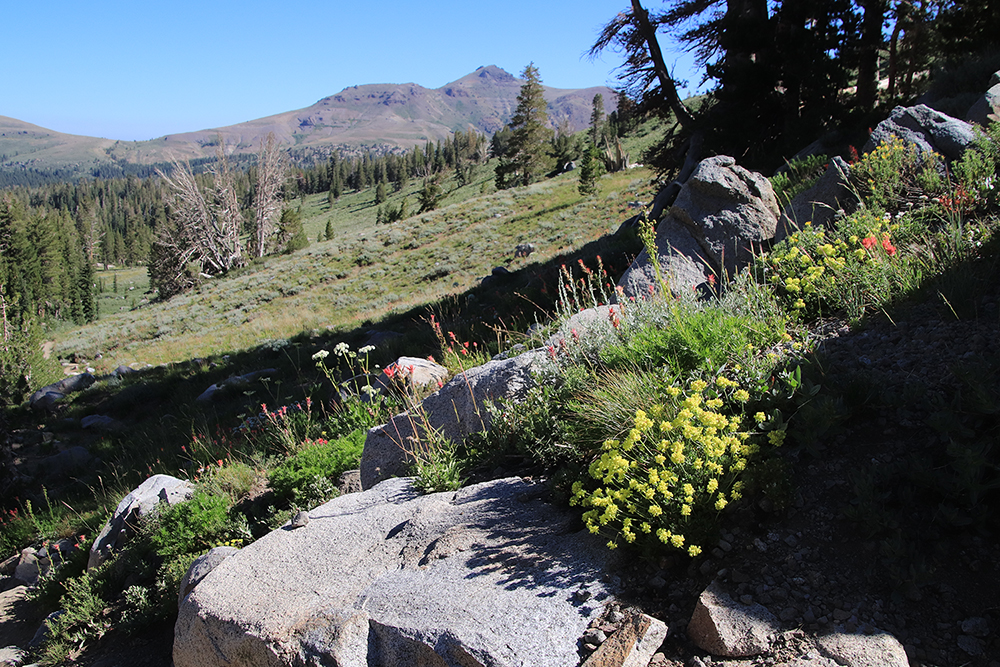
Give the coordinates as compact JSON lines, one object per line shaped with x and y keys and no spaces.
{"x":200,"y":568}
{"x":65,"y":462}
{"x":46,"y":396}
{"x":926,"y":128}
{"x":730,"y":629}
{"x":28,"y":568}
{"x":487,"y":575}
{"x":986,"y":110}
{"x":100,"y":422}
{"x":418,"y":373}
{"x":456,"y":410}
{"x":12,"y":655}
{"x":141,"y":501}
{"x":683,"y":262}
{"x":820,"y":203}
{"x":852,"y":650}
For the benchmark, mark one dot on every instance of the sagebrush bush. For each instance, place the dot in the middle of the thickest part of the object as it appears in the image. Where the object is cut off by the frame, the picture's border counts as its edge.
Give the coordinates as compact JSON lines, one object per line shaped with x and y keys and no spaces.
{"x":309,"y":478}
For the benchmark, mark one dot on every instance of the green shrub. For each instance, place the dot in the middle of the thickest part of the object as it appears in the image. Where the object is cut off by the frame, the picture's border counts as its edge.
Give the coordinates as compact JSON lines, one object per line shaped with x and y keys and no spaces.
{"x":85,"y":617}
{"x":309,"y":478}
{"x":702,"y":338}
{"x":193,"y":526}
{"x":16,"y":532}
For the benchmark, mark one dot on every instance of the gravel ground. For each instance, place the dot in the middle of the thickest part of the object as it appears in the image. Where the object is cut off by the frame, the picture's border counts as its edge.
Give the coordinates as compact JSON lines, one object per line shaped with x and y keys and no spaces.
{"x":810,"y":565}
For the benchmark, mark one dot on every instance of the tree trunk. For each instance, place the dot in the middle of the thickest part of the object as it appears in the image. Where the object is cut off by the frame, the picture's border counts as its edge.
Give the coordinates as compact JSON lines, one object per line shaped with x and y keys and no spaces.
{"x":871,"y":40}
{"x":667,"y":84}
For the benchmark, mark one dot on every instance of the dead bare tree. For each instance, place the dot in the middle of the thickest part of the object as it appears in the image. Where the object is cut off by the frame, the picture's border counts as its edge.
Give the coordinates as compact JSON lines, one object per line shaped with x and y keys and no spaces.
{"x":267,"y":202}
{"x":206,"y":227}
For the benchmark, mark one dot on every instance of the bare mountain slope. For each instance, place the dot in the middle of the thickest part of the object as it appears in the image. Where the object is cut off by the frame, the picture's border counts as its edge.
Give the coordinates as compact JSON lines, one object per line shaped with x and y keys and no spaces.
{"x":396,"y":115}
{"x":387,"y":115}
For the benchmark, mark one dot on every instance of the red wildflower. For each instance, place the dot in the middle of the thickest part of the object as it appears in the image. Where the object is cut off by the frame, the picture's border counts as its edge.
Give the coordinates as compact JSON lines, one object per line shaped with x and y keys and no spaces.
{"x":869,"y":242}
{"x":888,"y":247}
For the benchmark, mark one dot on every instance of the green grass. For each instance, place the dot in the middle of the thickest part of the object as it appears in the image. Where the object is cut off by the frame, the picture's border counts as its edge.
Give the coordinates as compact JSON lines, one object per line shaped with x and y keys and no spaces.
{"x":365,"y":272}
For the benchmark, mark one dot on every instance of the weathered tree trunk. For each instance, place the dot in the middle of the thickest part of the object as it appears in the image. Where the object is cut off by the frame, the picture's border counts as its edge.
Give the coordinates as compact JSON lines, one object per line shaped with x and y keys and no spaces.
{"x":871,"y":40}
{"x":648,"y":32}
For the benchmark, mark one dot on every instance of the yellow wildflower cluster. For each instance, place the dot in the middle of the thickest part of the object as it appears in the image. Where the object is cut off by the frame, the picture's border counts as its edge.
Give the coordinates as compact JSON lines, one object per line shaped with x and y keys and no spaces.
{"x":889,"y":172}
{"x":674,"y":468}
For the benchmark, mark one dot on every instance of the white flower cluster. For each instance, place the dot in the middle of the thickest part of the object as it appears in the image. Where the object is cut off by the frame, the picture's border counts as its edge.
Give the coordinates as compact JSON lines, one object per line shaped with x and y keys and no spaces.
{"x":321,"y":355}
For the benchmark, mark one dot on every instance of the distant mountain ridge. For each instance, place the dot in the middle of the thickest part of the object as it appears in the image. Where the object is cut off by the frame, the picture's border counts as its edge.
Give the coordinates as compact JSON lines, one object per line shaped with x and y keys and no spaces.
{"x":373,"y":115}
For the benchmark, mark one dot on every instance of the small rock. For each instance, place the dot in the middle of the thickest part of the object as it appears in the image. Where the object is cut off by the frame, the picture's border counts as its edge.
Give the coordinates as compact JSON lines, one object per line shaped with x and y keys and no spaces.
{"x":28,"y":568}
{"x":11,"y":655}
{"x":722,"y":627}
{"x":200,"y":568}
{"x":879,"y":650}
{"x":633,"y":645}
{"x":977,"y":626}
{"x":971,"y":645}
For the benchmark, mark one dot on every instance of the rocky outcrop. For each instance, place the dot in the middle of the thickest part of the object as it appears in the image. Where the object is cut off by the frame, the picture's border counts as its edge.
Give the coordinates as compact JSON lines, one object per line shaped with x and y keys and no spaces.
{"x":455,"y":411}
{"x":721,"y":212}
{"x":200,"y":568}
{"x":682,"y":263}
{"x":488,"y":575}
{"x":821,"y":203}
{"x":986,"y":110}
{"x":854,"y":650}
{"x":47,"y":396}
{"x":140,"y":502}
{"x":927,"y":129}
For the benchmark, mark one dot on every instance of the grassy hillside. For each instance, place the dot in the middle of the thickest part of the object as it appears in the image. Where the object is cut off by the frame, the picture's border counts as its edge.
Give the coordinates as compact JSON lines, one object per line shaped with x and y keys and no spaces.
{"x":364,"y":272}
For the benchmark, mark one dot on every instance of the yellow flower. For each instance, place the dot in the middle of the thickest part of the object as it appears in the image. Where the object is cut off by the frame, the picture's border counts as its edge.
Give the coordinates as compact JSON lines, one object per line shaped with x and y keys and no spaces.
{"x":685,"y":510}
{"x":721,"y":503}
{"x":776,"y":438}
{"x":655,"y":510}
{"x":712,"y":485}
{"x":741,"y":395}
{"x":698,"y":386}
{"x":677,"y":540}
{"x":760,"y":417}
{"x":694,"y":550}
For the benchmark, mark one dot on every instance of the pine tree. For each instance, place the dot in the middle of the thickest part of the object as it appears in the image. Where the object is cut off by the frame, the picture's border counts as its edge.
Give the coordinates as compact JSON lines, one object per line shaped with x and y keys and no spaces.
{"x":597,"y":120}
{"x":590,"y":171}
{"x":328,"y":232}
{"x":527,"y":158}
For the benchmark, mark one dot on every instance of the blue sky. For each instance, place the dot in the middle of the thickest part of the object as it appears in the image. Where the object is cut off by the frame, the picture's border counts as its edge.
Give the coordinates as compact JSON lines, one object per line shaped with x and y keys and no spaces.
{"x":143,"y":69}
